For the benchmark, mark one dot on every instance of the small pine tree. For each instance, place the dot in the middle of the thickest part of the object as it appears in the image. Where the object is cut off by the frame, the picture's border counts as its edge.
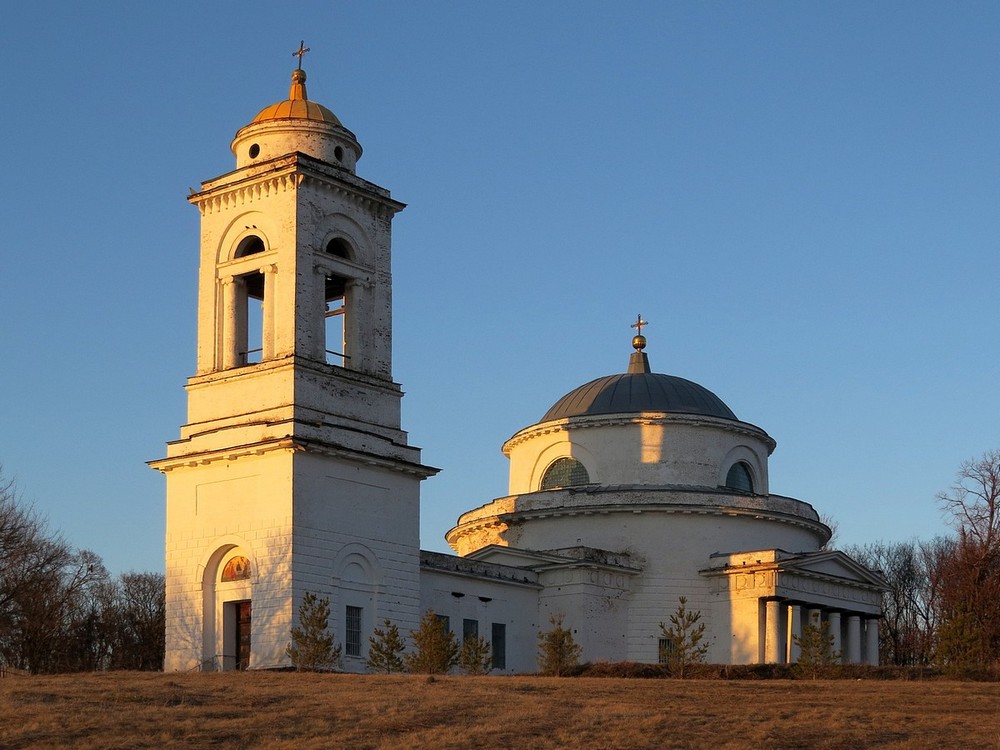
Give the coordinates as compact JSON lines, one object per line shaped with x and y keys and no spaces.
{"x":312,"y":648}
{"x":685,"y":634}
{"x":558,"y":653}
{"x":385,"y":648}
{"x":436,"y":647}
{"x":476,"y":656}
{"x":816,"y":648}
{"x":959,"y":643}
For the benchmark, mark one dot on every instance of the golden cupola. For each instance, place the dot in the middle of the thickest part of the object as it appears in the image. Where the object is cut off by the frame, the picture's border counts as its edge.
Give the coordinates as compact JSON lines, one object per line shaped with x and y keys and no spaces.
{"x":296,"y":124}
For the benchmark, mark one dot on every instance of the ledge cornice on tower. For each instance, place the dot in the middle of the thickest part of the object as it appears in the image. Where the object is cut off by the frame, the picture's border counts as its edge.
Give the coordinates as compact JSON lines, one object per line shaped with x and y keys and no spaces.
{"x":286,"y":173}
{"x":239,"y":195}
{"x":290,"y":445}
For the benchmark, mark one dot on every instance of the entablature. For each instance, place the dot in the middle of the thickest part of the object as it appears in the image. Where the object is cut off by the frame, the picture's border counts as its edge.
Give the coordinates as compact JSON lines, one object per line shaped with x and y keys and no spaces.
{"x":244,"y":186}
{"x":643,"y":419}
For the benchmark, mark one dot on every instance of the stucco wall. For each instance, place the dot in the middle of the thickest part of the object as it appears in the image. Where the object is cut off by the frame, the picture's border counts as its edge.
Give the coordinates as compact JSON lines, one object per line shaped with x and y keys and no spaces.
{"x":514,"y":605}
{"x":655,"y":449}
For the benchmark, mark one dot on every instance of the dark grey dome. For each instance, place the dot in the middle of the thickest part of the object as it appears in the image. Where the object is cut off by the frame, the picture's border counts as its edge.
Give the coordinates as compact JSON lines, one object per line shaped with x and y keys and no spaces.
{"x":639,"y":391}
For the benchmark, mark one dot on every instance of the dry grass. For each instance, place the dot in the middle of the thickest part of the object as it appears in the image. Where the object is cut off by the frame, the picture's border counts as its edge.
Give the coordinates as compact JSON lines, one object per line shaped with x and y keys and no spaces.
{"x":288,"y":710}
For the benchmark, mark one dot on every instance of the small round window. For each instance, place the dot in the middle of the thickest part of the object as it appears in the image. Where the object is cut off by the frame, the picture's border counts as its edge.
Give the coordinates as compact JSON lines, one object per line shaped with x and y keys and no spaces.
{"x":565,"y":472}
{"x":254,"y":151}
{"x":739,"y":478}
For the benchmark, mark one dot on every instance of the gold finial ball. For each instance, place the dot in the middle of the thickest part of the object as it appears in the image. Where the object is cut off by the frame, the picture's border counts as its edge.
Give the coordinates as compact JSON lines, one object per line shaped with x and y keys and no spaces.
{"x":639,"y":342}
{"x":298,"y":76}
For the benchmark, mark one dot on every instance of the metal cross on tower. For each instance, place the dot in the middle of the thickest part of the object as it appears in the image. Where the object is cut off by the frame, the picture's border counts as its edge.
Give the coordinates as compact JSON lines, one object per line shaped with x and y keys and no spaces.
{"x":301,"y":52}
{"x":639,"y":323}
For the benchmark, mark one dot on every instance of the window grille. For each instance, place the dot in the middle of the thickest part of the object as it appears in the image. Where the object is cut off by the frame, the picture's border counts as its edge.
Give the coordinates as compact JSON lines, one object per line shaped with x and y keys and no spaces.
{"x":352,"y":638}
{"x":565,"y":472}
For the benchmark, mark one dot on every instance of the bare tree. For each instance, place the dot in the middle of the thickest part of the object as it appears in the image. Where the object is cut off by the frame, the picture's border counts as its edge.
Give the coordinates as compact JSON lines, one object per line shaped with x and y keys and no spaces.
{"x":60,"y":611}
{"x":969,"y":578}
{"x":139,"y":621}
{"x":909,"y":615}
{"x":31,"y":565}
{"x":834,"y":525}
{"x":973,"y":502}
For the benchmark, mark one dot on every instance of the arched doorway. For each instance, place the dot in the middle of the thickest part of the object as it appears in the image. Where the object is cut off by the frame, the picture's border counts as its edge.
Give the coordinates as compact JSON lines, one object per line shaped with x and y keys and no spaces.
{"x":228,"y":618}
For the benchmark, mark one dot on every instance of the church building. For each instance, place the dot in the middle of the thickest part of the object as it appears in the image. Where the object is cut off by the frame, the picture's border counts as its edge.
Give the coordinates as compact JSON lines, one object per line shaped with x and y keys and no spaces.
{"x":293,"y":474}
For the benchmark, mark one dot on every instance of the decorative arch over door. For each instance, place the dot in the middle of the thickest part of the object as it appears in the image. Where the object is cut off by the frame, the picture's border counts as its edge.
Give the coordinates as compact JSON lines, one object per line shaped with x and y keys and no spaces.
{"x":227,"y":594}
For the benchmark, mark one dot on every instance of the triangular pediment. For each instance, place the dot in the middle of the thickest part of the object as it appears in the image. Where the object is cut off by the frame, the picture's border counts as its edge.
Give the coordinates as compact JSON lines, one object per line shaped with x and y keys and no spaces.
{"x":587,"y":557}
{"x":832,"y":563}
{"x":514,"y":556}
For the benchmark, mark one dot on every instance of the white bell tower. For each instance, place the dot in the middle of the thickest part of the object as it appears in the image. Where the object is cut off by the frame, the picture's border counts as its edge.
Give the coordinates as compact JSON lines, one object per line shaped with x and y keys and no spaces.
{"x":292,"y":473}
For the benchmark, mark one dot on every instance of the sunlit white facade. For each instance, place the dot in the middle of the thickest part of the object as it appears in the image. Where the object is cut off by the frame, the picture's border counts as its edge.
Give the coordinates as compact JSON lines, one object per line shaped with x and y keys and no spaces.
{"x":293,"y":474}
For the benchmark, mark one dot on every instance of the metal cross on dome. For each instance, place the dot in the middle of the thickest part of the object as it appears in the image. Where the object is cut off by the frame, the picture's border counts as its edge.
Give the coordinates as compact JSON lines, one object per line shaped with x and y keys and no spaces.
{"x":301,"y":52}
{"x":639,"y":323}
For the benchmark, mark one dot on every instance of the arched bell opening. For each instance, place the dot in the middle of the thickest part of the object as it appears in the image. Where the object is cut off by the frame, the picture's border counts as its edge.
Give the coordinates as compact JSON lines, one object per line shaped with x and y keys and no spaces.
{"x":337,"y":307}
{"x":250,"y":318}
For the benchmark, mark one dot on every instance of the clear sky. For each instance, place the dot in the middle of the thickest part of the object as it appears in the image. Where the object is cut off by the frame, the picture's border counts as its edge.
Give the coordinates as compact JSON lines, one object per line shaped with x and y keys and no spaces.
{"x":801,"y":199}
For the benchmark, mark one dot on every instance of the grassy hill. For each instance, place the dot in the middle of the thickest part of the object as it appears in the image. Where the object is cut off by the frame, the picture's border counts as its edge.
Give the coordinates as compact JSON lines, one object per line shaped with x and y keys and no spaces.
{"x":399,"y":712}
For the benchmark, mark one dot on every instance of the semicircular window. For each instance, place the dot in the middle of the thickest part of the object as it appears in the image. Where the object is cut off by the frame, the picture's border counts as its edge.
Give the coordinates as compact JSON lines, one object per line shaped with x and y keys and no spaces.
{"x":565,"y":472}
{"x":249,"y":246}
{"x":739,"y":478}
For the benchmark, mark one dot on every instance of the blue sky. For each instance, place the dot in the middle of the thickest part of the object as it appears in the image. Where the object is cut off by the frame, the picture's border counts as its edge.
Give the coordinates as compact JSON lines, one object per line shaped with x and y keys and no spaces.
{"x":801,"y":199}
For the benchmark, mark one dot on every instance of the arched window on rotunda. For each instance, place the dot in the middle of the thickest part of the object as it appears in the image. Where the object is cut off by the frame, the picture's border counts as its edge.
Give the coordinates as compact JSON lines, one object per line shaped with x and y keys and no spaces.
{"x":739,"y":478}
{"x":564,"y":472}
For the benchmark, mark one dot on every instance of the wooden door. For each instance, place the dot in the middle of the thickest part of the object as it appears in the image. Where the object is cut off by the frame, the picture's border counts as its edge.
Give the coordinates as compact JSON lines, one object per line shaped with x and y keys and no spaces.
{"x":242,"y":635}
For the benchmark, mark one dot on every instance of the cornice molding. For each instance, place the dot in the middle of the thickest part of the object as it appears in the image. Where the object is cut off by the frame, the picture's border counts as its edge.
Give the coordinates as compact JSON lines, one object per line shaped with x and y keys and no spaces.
{"x":506,"y":519}
{"x":241,"y":194}
{"x":643,"y":418}
{"x":291,"y":445}
{"x":291,"y":173}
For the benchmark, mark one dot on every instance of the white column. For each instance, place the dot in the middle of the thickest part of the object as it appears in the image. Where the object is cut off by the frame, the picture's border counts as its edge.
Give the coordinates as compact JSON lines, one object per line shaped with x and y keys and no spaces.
{"x":794,"y":632}
{"x":835,"y":645}
{"x":871,"y":641}
{"x":773,"y":652}
{"x":313,"y":320}
{"x":267,"y":326}
{"x":228,"y":322}
{"x":357,"y":347}
{"x":853,"y":645}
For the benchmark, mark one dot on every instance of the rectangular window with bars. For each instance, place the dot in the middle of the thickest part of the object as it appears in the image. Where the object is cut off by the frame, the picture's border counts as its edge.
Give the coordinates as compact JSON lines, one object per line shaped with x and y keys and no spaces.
{"x":352,"y":636}
{"x":666,"y":649}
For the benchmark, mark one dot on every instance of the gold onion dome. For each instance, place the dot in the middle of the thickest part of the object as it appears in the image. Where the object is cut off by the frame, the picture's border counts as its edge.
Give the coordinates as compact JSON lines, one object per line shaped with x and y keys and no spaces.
{"x":297,"y":106}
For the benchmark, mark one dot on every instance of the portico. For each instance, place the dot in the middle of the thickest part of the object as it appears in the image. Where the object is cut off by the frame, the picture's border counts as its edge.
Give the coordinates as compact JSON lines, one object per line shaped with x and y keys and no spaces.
{"x":790,"y":592}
